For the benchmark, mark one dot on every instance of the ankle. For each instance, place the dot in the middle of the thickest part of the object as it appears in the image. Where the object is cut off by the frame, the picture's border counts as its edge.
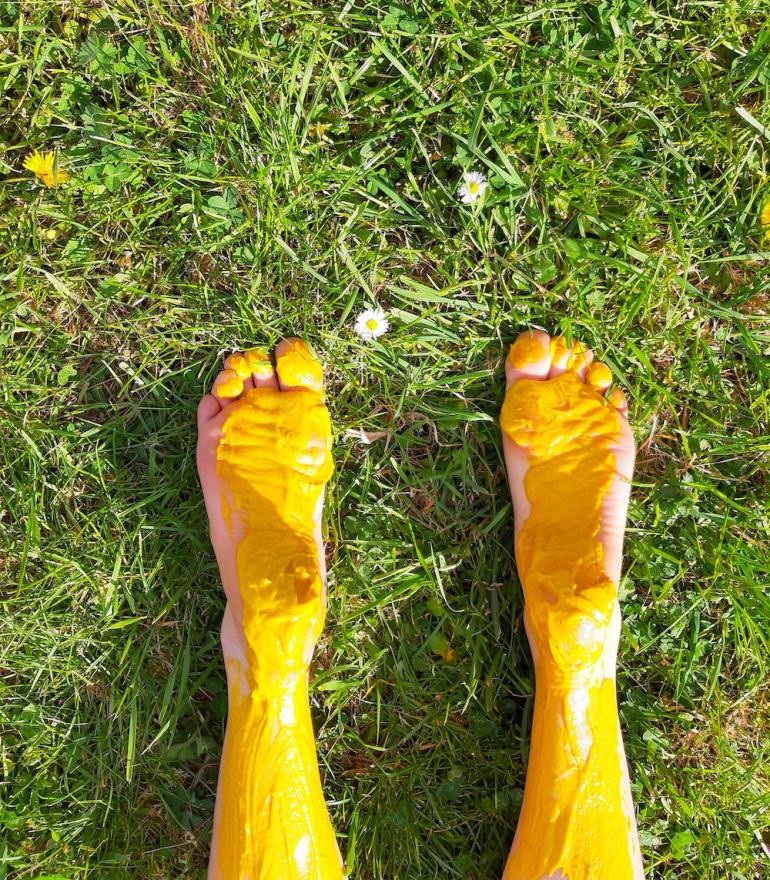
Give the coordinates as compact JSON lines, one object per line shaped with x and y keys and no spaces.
{"x":268,"y":700}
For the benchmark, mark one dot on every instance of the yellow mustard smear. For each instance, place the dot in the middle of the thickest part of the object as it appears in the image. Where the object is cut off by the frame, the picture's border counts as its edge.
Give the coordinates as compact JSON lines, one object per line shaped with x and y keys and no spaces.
{"x":576,"y":820}
{"x":274,"y":457}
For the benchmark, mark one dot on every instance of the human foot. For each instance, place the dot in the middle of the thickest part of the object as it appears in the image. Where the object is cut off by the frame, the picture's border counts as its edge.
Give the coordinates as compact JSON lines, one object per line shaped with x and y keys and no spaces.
{"x":264,"y":457}
{"x":569,"y":453}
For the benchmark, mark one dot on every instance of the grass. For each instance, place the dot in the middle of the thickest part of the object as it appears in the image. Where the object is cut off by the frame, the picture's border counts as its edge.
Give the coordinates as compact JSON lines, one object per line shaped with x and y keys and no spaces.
{"x":244,"y":171}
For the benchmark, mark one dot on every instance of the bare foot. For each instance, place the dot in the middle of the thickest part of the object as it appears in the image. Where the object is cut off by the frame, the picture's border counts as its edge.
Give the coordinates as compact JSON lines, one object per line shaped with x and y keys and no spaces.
{"x":569,"y":452}
{"x":264,"y":457}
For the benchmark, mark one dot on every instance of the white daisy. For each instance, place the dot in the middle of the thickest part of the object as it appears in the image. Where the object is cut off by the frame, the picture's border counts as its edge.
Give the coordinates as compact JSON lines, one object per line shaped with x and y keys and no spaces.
{"x":372,"y":323}
{"x":473,"y":187}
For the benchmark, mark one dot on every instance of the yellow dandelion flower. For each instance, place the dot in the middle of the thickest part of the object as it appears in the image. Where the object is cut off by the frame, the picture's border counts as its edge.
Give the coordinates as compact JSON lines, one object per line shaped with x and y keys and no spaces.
{"x":764,"y":219}
{"x":42,"y":165}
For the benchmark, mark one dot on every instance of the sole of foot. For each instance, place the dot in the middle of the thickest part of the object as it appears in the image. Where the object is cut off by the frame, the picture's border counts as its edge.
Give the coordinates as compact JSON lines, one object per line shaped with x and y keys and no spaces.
{"x":253,"y":480}
{"x":569,"y":453}
{"x":537,"y":356}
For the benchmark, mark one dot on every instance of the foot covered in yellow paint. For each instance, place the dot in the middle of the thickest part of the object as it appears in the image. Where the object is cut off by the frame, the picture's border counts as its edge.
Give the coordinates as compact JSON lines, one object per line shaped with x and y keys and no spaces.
{"x":569,"y":453}
{"x":264,"y":457}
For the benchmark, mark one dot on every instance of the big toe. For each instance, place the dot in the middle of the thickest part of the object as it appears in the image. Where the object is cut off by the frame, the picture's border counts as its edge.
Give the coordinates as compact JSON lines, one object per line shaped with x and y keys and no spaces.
{"x":297,"y":366}
{"x":529,"y":357}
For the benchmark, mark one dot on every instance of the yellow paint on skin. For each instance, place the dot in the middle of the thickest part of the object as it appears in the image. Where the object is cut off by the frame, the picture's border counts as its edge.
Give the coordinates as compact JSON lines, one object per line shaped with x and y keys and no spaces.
{"x":255,"y":362}
{"x":298,"y":368}
{"x":598,"y":375}
{"x":526,"y":350}
{"x":228,"y":384}
{"x":576,"y":817}
{"x":242,"y":366}
{"x":578,"y":356}
{"x":274,"y":457}
{"x":559,"y":348}
{"x":617,"y":398}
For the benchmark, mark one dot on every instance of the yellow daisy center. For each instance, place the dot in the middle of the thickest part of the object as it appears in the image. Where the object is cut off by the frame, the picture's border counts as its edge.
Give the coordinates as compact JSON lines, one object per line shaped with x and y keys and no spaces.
{"x":372,"y":324}
{"x":473,"y":187}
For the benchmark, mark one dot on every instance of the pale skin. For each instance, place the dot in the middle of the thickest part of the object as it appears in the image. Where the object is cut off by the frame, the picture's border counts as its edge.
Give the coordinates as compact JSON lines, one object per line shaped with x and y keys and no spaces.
{"x":579,"y":781}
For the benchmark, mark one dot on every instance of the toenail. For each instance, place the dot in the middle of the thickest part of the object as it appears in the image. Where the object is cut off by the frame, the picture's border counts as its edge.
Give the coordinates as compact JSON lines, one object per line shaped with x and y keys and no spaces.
{"x":259,"y":363}
{"x":239,"y":365}
{"x":579,"y":356}
{"x":559,"y":347}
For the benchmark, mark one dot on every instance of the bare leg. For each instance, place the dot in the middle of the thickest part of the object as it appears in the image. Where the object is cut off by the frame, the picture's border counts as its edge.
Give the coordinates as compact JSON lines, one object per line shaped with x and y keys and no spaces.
{"x":264,"y":456}
{"x":570,"y":453}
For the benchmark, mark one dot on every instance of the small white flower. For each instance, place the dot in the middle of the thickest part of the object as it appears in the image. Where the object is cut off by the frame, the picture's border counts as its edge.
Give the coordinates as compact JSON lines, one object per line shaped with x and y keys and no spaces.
{"x":473,"y":187}
{"x":372,"y":323}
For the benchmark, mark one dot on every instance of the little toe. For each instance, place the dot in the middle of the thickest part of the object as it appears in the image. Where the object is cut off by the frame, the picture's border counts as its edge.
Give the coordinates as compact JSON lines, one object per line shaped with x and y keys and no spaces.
{"x":529,"y":357}
{"x":207,"y":409}
{"x":297,"y":367}
{"x":619,"y":401}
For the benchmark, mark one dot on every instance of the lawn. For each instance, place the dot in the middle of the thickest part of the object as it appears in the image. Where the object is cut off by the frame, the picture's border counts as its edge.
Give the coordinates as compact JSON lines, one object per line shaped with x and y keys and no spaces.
{"x":244,"y":171}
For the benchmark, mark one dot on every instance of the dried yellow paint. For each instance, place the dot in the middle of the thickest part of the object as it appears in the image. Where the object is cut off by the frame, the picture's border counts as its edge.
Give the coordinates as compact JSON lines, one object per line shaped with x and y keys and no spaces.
{"x":576,"y":818}
{"x":274,"y":459}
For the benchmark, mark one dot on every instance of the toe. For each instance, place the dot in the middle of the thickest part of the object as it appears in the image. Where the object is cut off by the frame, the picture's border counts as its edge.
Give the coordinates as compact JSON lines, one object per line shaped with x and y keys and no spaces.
{"x":529,"y":356}
{"x":598,"y":376}
{"x":579,"y":359}
{"x":254,"y":364}
{"x":227,"y":386}
{"x":561,"y":353}
{"x":248,"y":383}
{"x":239,"y":374}
{"x":262,"y":369}
{"x":618,"y":400}
{"x":207,"y":409}
{"x":297,"y":367}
